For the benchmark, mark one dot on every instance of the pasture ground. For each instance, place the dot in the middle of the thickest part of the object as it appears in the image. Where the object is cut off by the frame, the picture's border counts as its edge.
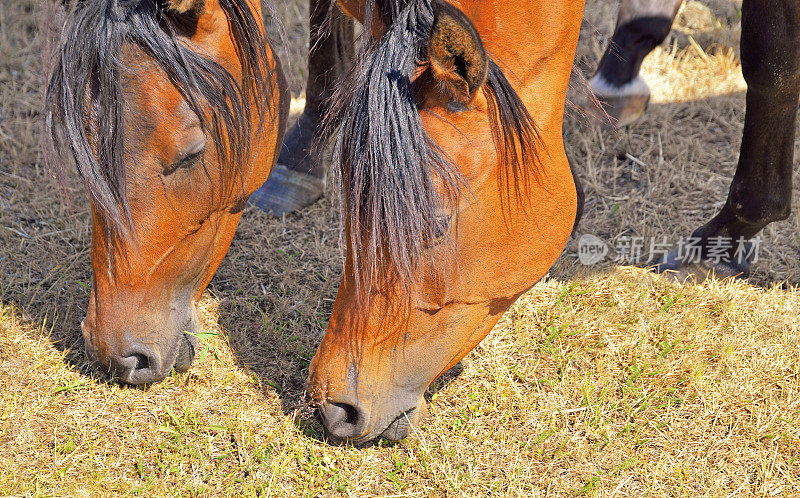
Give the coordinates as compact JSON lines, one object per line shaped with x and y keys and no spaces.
{"x":601,"y":380}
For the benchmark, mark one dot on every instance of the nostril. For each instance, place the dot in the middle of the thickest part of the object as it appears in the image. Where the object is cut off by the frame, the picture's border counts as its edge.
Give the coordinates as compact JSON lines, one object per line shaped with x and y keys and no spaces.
{"x":350,"y":413}
{"x":342,"y":420}
{"x":135,"y":368}
{"x":142,"y":362}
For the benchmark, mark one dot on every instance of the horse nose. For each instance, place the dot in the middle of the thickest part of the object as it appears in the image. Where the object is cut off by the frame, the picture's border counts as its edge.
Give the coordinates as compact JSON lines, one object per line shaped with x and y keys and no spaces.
{"x":137,"y":366}
{"x":343,"y":420}
{"x":145,"y":363}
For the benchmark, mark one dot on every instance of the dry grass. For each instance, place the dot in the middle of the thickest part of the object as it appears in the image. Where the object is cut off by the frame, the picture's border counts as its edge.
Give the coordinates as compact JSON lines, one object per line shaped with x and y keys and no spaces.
{"x":604,"y":381}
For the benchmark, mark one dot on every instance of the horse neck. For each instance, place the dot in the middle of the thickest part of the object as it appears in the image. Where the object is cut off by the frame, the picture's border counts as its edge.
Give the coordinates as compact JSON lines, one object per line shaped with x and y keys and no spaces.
{"x":533,"y":42}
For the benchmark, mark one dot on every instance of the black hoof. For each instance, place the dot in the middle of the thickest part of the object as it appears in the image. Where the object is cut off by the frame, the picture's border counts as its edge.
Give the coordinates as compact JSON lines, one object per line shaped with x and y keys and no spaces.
{"x":287,"y":191}
{"x":697,"y":270}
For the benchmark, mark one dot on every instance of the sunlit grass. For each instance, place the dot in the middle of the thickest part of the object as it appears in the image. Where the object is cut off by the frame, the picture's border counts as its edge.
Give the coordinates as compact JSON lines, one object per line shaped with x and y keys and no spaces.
{"x":627,"y":382}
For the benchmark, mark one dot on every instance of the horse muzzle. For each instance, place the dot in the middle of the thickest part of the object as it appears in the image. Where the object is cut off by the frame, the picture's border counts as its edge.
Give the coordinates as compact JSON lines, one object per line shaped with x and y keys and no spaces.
{"x":348,"y":420}
{"x":141,"y":358}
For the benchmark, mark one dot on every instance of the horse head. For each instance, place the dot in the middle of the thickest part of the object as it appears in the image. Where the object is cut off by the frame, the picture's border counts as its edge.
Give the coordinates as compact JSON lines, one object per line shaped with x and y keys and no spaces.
{"x":172,"y":111}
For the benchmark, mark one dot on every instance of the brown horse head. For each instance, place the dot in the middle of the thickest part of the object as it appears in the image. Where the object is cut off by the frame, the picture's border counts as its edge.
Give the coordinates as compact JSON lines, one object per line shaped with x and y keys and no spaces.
{"x":457,"y":195}
{"x":172,"y":111}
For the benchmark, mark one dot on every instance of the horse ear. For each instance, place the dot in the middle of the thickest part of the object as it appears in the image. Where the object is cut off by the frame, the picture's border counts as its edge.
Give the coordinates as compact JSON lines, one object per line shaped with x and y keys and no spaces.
{"x":185,"y":6}
{"x":457,"y":57}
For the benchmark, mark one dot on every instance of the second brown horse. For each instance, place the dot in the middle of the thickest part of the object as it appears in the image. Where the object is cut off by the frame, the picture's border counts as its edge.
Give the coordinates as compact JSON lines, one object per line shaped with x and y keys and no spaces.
{"x":457,"y":195}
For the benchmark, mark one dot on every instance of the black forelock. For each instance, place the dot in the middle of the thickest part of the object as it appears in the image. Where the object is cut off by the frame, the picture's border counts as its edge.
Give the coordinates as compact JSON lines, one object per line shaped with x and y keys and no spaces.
{"x":85,"y":101}
{"x":388,"y":162}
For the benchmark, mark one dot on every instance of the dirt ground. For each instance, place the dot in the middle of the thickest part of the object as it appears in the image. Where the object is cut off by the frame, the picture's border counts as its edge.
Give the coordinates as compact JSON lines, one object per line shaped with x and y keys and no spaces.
{"x":602,"y":380}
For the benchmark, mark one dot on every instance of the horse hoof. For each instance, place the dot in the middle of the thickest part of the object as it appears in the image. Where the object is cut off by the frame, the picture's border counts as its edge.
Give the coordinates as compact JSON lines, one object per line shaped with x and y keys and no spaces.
{"x":698,"y":270}
{"x":287,"y":191}
{"x":614,"y":106}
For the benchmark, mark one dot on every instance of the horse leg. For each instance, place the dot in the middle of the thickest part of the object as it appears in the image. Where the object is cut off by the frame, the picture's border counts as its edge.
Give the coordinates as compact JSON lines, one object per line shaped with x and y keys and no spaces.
{"x":761,"y":191}
{"x":298,"y":178}
{"x":622,"y":95}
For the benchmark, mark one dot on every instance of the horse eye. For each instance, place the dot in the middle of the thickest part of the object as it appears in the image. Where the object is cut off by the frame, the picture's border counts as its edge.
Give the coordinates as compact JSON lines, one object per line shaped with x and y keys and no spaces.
{"x":440,"y":228}
{"x":185,"y":161}
{"x":457,"y":107}
{"x":442,"y":225}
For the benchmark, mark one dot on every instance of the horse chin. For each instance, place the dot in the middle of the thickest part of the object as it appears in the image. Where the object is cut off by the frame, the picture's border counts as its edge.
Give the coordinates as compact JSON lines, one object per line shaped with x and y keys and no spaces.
{"x":400,"y":427}
{"x":187,"y":347}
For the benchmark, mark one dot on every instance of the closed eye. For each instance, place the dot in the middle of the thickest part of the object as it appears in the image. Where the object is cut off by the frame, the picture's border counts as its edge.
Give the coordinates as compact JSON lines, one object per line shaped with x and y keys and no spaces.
{"x":440,"y":228}
{"x":457,"y":107}
{"x":184,"y":162}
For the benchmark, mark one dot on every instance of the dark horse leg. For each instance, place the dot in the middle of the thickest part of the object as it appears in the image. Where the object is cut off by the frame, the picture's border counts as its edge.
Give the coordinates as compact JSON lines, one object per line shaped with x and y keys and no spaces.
{"x":761,"y":191}
{"x":298,"y":178}
{"x":622,"y":95}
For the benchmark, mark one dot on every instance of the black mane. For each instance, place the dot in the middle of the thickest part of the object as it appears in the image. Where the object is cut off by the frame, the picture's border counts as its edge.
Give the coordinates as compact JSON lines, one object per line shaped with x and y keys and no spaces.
{"x":85,"y":91}
{"x":389,"y":164}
